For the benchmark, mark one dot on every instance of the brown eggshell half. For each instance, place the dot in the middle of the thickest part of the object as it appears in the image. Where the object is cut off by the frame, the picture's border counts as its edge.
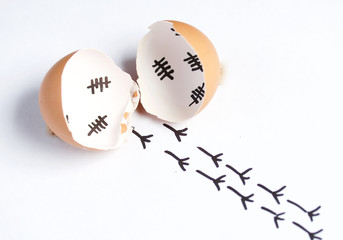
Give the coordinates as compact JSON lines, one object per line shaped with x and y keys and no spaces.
{"x":178,"y":71}
{"x":79,"y":92}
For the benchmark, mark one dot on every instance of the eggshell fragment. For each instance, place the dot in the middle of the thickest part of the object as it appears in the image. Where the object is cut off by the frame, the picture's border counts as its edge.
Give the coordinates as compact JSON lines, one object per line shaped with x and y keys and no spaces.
{"x":86,"y":100}
{"x":178,"y":69}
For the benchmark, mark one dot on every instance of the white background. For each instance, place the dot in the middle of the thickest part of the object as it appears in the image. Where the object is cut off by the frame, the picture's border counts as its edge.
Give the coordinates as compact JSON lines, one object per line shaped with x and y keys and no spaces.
{"x":278,"y":111}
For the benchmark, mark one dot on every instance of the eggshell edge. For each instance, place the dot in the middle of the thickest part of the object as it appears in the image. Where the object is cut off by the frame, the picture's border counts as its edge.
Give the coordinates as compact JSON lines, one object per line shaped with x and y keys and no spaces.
{"x":50,"y":101}
{"x":207,"y":55}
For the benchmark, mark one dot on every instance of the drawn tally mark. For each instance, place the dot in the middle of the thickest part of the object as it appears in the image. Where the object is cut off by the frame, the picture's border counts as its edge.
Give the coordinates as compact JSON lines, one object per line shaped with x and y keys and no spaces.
{"x":276,"y":216}
{"x":163,"y":68}
{"x":176,"y":34}
{"x":311,"y":214}
{"x":197,"y":94}
{"x":144,"y":139}
{"x":275,"y":194}
{"x":182,"y":161}
{"x":241,"y":175}
{"x":193,"y":61}
{"x":244,"y":199}
{"x":215,"y":158}
{"x":216,"y":181}
{"x":99,"y":124}
{"x":99,"y":83}
{"x":177,"y":133}
{"x":312,"y":235}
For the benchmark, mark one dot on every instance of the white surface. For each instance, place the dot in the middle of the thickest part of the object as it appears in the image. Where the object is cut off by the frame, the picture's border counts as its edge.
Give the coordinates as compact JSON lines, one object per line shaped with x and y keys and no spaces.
{"x":278,"y":111}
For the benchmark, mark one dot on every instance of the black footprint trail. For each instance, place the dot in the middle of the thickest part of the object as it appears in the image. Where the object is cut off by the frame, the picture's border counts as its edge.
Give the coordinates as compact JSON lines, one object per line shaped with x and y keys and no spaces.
{"x":215,"y":158}
{"x":244,"y":199}
{"x":178,"y":133}
{"x":311,"y":214}
{"x":276,"y":194}
{"x":144,"y":139}
{"x":182,"y":161}
{"x":240,"y":174}
{"x":276,"y":216}
{"x":216,"y":181}
{"x":312,"y":235}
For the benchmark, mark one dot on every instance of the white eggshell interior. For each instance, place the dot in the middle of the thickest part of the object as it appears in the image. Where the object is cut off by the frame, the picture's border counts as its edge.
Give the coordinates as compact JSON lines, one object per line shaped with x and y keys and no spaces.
{"x":168,"y":99}
{"x":83,"y":102}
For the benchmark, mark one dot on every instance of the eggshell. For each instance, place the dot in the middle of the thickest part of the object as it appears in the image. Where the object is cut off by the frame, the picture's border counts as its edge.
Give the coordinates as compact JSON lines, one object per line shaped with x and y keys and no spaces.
{"x":86,"y":100}
{"x":207,"y":54}
{"x":178,"y":70}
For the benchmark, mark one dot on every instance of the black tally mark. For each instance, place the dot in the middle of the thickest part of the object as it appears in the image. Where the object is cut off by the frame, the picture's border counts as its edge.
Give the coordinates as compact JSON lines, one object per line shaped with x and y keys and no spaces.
{"x":311,"y":214}
{"x":244,"y":199}
{"x":193,"y":61}
{"x":162,"y":68}
{"x":177,"y":133}
{"x":241,"y":175}
{"x":99,"y":83}
{"x":144,"y":139}
{"x":214,"y":158}
{"x":275,"y":194}
{"x":216,"y":181}
{"x":182,"y":161}
{"x":276,"y":216}
{"x":197,"y":94}
{"x":99,"y":124}
{"x":176,"y":34}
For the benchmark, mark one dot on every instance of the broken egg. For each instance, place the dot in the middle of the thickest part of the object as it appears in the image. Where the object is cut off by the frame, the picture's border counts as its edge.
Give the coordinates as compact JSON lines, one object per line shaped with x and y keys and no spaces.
{"x":178,"y":71}
{"x":86,"y":100}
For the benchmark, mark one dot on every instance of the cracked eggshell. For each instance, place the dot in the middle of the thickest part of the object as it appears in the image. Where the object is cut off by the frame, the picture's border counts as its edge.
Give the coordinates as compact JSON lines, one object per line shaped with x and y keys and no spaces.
{"x":178,"y":70}
{"x":86,"y":100}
